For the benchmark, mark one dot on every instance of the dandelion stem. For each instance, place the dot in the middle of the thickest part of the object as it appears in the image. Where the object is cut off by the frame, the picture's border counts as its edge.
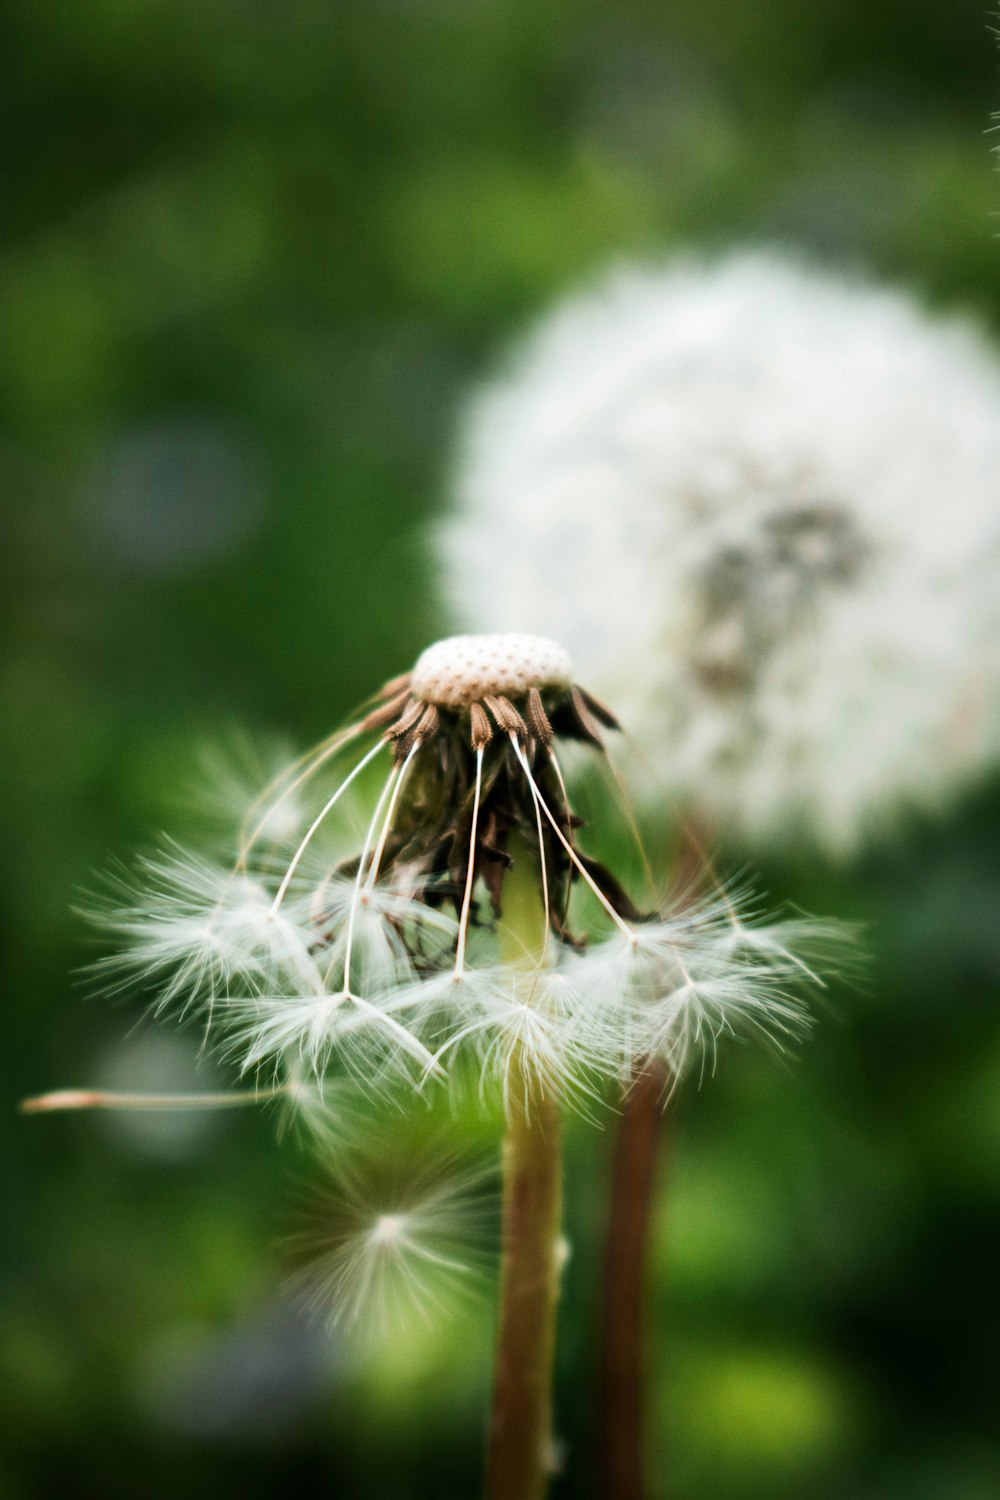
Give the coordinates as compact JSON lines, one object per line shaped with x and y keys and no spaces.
{"x":621,"y":1427}
{"x":624,"y":1316}
{"x":520,"y":1456}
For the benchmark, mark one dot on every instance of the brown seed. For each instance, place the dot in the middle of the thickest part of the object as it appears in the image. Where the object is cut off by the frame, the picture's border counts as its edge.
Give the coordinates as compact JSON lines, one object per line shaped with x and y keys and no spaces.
{"x":481,"y":729}
{"x":386,"y":712}
{"x":396,"y":685}
{"x":585,"y":719}
{"x":410,"y":716}
{"x":600,"y":710}
{"x":506,"y":716}
{"x":538,"y":718}
{"x":429,"y":722}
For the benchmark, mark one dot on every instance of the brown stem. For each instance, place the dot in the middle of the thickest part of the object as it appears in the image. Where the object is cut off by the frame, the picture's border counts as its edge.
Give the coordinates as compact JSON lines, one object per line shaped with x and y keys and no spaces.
{"x":622,"y":1449}
{"x":621,"y":1428}
{"x":520,"y":1457}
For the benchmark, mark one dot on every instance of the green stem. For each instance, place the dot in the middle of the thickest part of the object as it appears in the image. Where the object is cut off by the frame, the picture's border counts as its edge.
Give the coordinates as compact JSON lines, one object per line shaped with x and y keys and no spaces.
{"x":520,"y":1456}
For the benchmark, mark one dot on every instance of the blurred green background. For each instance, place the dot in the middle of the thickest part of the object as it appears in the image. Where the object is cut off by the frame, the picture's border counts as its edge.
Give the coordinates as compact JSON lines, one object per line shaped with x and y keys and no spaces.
{"x":253,"y":256}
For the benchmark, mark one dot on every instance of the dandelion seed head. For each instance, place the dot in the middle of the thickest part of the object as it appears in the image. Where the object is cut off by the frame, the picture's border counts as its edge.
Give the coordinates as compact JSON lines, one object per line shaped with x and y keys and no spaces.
{"x":758,"y":500}
{"x":390,"y":966}
{"x":373,"y":1047}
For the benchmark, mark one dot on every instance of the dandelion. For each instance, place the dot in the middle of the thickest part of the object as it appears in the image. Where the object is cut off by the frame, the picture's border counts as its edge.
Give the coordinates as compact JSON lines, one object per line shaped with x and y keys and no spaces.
{"x":760,"y":500}
{"x":471,"y":933}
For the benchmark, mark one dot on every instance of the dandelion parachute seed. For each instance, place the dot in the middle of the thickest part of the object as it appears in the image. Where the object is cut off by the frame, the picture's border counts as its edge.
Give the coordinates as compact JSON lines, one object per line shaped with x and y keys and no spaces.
{"x":392,"y":963}
{"x":386,"y":1244}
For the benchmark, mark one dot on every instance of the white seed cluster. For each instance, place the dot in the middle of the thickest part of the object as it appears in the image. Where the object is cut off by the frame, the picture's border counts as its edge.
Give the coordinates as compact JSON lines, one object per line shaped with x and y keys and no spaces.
{"x":740,"y":467}
{"x":461,"y":669}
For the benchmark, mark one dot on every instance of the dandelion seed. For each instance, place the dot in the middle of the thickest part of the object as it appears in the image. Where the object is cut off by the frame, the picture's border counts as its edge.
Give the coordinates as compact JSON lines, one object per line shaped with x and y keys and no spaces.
{"x":227,"y":785}
{"x":386,"y":1244}
{"x":198,"y":930}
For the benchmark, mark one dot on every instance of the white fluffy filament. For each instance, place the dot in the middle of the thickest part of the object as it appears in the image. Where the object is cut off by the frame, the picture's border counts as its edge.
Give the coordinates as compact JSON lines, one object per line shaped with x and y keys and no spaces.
{"x":390,"y":811}
{"x":470,"y":877}
{"x":389,"y":790}
{"x":311,"y":762}
{"x":573,"y":856}
{"x":320,"y":816}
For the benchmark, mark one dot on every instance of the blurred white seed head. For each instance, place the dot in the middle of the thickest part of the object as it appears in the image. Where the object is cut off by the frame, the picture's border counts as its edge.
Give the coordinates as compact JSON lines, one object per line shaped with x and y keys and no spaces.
{"x":759,"y":501}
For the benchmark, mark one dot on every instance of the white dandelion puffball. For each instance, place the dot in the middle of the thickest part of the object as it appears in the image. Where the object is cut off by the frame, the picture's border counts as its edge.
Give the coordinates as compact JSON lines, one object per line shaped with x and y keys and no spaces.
{"x":759,"y":504}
